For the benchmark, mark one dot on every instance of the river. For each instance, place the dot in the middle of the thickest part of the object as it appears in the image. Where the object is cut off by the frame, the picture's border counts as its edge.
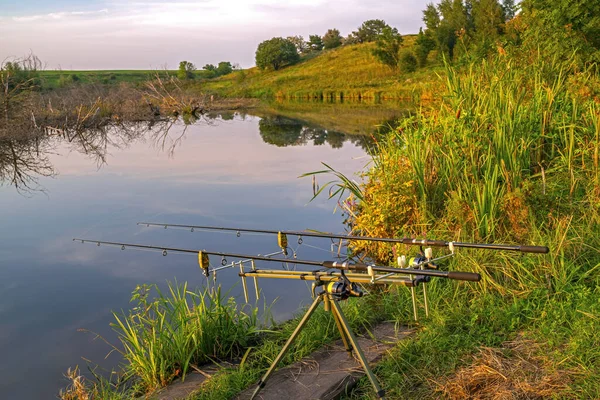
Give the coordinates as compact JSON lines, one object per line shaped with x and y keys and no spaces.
{"x":229,"y":170}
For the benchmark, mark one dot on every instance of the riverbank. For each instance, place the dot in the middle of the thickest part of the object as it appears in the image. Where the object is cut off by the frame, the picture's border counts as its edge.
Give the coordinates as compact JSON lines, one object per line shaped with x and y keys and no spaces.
{"x":476,"y":171}
{"x":510,"y":156}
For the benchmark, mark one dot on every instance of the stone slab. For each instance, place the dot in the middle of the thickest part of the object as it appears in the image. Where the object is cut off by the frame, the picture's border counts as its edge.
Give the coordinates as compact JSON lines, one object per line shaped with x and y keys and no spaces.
{"x":329,"y":372}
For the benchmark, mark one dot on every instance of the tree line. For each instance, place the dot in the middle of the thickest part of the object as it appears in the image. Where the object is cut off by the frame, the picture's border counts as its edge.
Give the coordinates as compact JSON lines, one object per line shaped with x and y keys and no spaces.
{"x":460,"y":30}
{"x":187,"y":70}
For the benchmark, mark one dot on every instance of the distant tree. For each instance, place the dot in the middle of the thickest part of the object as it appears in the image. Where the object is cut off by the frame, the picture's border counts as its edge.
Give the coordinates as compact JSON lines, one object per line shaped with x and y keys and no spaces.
{"x":509,"y":8}
{"x":431,"y":17}
{"x":315,"y":42}
{"x":21,"y":74}
{"x":186,"y":70}
{"x":408,"y":62}
{"x":369,"y":30}
{"x":423,"y":46}
{"x":388,"y":46}
{"x":224,"y":68}
{"x":332,"y":39}
{"x":301,"y":46}
{"x":454,"y":21}
{"x":275,"y":53}
{"x":209,"y":67}
{"x":488,"y":19}
{"x":350,"y":39}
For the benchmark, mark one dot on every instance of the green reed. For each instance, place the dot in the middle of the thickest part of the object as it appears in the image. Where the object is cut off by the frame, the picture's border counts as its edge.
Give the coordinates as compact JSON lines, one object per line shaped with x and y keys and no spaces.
{"x":510,"y":154}
{"x":161,"y":338}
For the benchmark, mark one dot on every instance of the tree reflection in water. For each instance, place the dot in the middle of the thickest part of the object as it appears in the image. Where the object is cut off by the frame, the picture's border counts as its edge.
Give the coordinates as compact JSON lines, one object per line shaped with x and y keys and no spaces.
{"x":23,"y":161}
{"x":283,"y":131}
{"x":24,"y":158}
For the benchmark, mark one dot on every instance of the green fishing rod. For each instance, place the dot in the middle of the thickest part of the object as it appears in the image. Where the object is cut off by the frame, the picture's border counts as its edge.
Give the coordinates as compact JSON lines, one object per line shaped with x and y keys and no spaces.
{"x":282,"y":239}
{"x":203,"y":260}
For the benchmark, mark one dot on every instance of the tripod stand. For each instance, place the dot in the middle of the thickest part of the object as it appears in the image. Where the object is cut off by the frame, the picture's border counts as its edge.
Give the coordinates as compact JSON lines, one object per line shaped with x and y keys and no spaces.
{"x":330,"y":302}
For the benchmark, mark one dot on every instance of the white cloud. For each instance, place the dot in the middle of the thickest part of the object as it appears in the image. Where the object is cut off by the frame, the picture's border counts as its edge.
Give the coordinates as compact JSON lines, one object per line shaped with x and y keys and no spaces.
{"x":147,"y":34}
{"x":59,"y":15}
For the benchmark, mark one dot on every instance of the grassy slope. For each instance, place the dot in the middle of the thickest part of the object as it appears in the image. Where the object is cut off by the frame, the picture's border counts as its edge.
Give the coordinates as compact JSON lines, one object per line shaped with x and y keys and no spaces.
{"x":350,"y":72}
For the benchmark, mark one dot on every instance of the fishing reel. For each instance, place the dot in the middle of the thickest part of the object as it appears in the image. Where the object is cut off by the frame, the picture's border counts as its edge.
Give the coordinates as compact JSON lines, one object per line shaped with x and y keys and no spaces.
{"x":341,"y":289}
{"x":420,"y":262}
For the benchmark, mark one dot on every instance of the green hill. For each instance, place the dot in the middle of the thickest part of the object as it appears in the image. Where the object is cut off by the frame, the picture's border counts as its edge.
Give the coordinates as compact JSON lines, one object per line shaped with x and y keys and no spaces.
{"x":349,"y":72}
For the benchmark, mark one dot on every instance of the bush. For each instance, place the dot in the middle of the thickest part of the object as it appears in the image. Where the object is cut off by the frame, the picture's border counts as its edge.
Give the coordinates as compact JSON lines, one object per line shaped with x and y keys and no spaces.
{"x":275,"y":53}
{"x":408,"y":62}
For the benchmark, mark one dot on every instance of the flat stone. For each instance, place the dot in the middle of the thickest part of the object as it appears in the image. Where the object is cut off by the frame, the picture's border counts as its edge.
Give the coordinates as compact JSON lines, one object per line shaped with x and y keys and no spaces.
{"x":329,"y":372}
{"x":182,"y":389}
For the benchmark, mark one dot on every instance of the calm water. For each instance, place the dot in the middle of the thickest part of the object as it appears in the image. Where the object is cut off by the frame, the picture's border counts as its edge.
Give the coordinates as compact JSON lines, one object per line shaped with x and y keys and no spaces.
{"x":233,"y":171}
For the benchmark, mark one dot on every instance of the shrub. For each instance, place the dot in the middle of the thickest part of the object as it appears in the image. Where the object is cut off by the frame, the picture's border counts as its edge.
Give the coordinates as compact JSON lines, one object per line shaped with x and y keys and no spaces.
{"x":408,"y":62}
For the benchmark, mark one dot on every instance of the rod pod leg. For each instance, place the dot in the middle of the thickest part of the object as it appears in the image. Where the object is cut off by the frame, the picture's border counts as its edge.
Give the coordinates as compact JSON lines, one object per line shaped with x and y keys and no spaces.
{"x":361,"y":356}
{"x":287,"y":345}
{"x":338,"y":323}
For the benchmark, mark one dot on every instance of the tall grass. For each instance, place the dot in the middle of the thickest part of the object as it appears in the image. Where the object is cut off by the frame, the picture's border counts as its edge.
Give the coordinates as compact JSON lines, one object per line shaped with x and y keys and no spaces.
{"x":163,"y":337}
{"x":510,"y":155}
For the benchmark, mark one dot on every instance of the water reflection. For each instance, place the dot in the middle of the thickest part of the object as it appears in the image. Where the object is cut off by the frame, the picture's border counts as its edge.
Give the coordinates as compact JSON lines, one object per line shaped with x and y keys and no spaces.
{"x":217,"y":172}
{"x":25,"y":159}
{"x":281,"y":131}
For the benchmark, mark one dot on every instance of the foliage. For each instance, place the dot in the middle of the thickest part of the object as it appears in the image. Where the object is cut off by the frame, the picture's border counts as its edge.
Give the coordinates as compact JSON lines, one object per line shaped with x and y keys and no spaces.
{"x":213,"y":71}
{"x":276,"y":53}
{"x":509,"y":9}
{"x":369,"y":30}
{"x":423,"y":46}
{"x":224,"y":68}
{"x":387,"y":47}
{"x":408,"y":62}
{"x":488,"y":21}
{"x":20,"y":74}
{"x":301,"y":45}
{"x":563,"y":27}
{"x":19,"y":78}
{"x":351,"y":39}
{"x":186,"y":70}
{"x":510,"y":155}
{"x":332,"y":39}
{"x":315,"y":42}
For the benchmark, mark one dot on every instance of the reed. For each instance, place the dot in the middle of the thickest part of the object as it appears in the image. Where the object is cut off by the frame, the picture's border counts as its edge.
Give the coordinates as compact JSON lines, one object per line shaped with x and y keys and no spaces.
{"x":510,"y":154}
{"x":161,"y":338}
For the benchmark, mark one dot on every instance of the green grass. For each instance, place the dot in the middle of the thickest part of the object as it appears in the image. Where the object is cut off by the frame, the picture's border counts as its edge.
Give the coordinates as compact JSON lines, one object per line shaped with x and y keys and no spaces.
{"x":349,"y":72}
{"x":163,"y":335}
{"x":52,"y":79}
{"x":510,"y":155}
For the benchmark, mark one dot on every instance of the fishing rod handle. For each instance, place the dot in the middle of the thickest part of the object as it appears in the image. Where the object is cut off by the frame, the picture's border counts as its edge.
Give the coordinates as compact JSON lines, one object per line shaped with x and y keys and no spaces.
{"x":464,"y":276}
{"x":534,"y":249}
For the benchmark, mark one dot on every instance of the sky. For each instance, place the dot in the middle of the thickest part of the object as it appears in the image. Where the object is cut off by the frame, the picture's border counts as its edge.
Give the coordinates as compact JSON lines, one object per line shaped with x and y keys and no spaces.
{"x":150,"y":34}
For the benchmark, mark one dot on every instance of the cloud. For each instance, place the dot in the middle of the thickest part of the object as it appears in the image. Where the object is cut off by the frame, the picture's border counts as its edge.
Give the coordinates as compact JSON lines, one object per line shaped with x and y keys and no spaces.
{"x":150,"y":34}
{"x":59,"y":15}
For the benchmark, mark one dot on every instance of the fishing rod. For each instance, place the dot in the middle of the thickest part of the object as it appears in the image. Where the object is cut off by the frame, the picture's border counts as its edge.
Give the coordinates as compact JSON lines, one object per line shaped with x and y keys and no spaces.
{"x":344,"y":266}
{"x":336,"y":286}
{"x":282,"y":239}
